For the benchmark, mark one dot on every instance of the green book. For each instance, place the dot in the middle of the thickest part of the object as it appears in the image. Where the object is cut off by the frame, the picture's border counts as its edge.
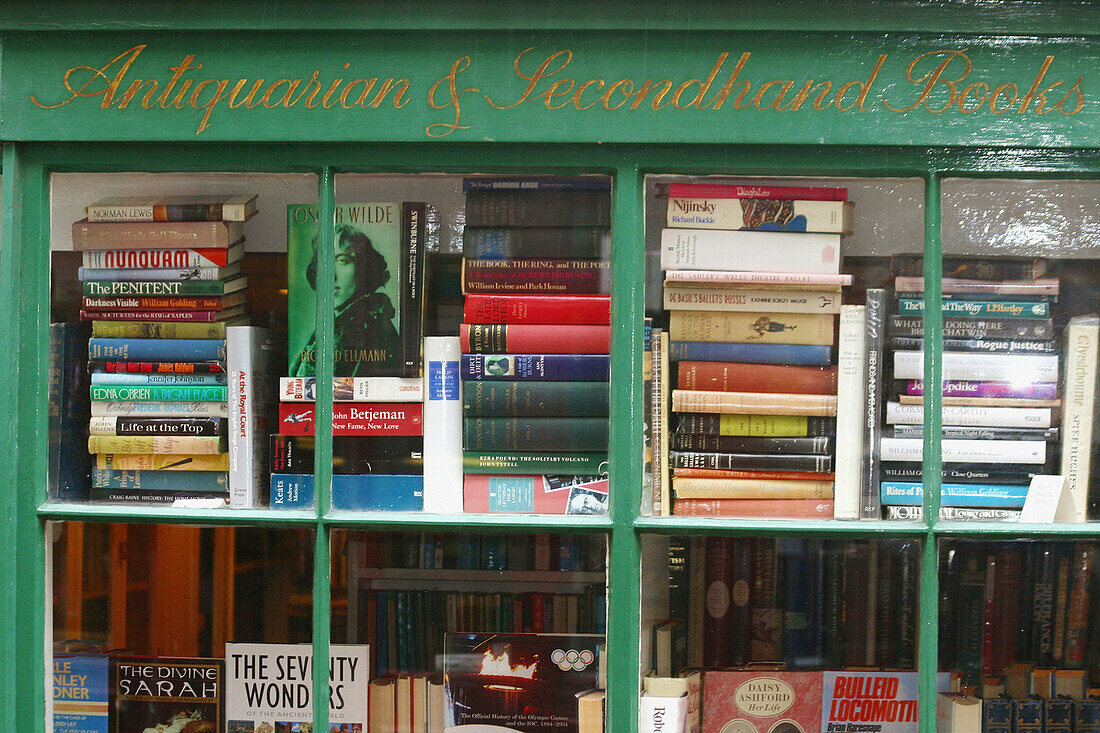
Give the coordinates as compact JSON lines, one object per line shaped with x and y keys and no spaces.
{"x":544,"y":399}
{"x":366,"y":289}
{"x":164,"y":287}
{"x":515,"y":463}
{"x":535,"y":433}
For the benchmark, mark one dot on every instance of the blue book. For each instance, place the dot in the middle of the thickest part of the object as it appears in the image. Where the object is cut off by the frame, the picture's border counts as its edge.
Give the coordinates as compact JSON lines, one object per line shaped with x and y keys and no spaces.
{"x":70,"y":463}
{"x":540,"y":367}
{"x":788,"y":354}
{"x":1086,"y":715}
{"x":189,"y":481}
{"x":177,"y":350}
{"x":537,"y":183}
{"x":997,"y":715}
{"x":381,"y":641}
{"x":364,"y":492}
{"x":1059,"y":715}
{"x":127,"y":379}
{"x":798,"y":642}
{"x":80,"y":693}
{"x":906,"y":493}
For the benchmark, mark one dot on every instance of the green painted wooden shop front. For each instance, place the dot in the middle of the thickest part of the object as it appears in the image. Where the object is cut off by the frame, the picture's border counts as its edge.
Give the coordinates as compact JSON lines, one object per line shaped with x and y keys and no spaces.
{"x":967,"y":89}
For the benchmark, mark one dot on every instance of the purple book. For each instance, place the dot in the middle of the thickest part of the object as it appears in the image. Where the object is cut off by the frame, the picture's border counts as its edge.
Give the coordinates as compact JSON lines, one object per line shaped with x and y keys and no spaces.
{"x":966,"y":388}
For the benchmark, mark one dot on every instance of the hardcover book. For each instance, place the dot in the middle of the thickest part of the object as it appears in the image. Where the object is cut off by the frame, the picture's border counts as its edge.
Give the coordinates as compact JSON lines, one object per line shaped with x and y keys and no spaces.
{"x":367,"y":336}
{"x":769,"y":215}
{"x":172,"y":208}
{"x":762,"y":701}
{"x":152,"y":235}
{"x":711,"y":249}
{"x":165,"y":692}
{"x":542,"y":494}
{"x":268,"y":686}
{"x":526,"y":683}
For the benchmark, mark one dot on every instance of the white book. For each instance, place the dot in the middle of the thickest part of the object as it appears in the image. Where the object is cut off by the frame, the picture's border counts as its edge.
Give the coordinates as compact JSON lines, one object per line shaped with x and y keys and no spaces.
{"x":101,"y":408}
{"x":851,"y":392}
{"x":1079,"y":397}
{"x":248,"y":352}
{"x":662,"y":714}
{"x":442,"y":425}
{"x":793,"y":280}
{"x":982,"y":367}
{"x":1003,"y":417}
{"x":956,"y":713}
{"x":718,"y":249}
{"x":967,"y":451}
{"x":728,"y":299}
{"x":354,"y":389}
{"x":144,"y":258}
{"x":792,"y":215}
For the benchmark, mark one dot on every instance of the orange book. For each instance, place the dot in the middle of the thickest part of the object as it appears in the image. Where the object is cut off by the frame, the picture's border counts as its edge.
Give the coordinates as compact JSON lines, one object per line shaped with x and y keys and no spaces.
{"x":777,"y":475}
{"x":782,"y":508}
{"x":716,"y":376}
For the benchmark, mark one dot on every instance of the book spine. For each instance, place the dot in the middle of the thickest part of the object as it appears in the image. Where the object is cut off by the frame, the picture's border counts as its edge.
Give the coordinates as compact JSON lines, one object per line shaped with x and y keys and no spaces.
{"x":162,"y":444}
{"x":501,"y":462}
{"x":967,"y":388}
{"x":355,"y":418}
{"x":851,"y":408}
{"x":1005,"y":608}
{"x":530,"y":338}
{"x":971,"y":328}
{"x":160,"y":393}
{"x":506,"y":243}
{"x":391,"y":454}
{"x":798,"y":652}
{"x":905,"y":617}
{"x":857,"y":586}
{"x":1082,"y":337}
{"x":538,"y":309}
{"x":792,"y":354}
{"x":156,"y":349}
{"x":377,"y":492}
{"x":782,"y":215}
{"x":535,"y":434}
{"x":166,"y":368}
{"x":561,"y":277}
{"x":538,"y":208}
{"x":766,"y":616}
{"x":443,"y":458}
{"x":1059,"y":715}
{"x":662,"y":486}
{"x":823,"y":282}
{"x":243,"y":406}
{"x":978,"y":473}
{"x":235,"y":209}
{"x":990,"y":346}
{"x":709,"y":488}
{"x":188,"y":274}
{"x":549,"y":367}
{"x":684,"y":400}
{"x":197,"y":426}
{"x":291,"y":490}
{"x":163,"y":304}
{"x":735,"y":444}
{"x":153,"y":288}
{"x":997,"y":309}
{"x":679,"y":578}
{"x":980,"y":433}
{"x":869,"y":507}
{"x":732,"y":377}
{"x":191,"y":316}
{"x":354,"y":389}
{"x":724,"y":326}
{"x":740,"y":602}
{"x":546,"y":399}
{"x":968,"y":495}
{"x":977,"y":268}
{"x":190,"y":481}
{"x":750,"y":461}
{"x":161,"y":409}
{"x":767,"y":301}
{"x":915,"y":513}
{"x":1049,"y":286}
{"x":68,"y":413}
{"x":157,"y":330}
{"x":1078,"y":611}
{"x":414,"y":228}
{"x":154,"y":235}
{"x":967,"y":451}
{"x":716,"y":623}
{"x":791,"y":426}
{"x":1006,"y":417}
{"x":134,"y":259}
{"x":737,"y":191}
{"x":739,"y":474}
{"x":160,"y":462}
{"x":713,"y":249}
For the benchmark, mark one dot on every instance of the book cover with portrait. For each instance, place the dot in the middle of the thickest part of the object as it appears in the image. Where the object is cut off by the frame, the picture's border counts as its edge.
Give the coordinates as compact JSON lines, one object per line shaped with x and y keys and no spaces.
{"x":366,"y":289}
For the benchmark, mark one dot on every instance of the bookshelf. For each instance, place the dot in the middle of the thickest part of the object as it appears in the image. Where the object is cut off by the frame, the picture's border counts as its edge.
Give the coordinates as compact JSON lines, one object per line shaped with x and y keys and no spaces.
{"x":38,"y":157}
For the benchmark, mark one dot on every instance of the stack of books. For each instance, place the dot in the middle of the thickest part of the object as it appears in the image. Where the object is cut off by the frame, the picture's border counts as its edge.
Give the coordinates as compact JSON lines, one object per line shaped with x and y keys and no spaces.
{"x":535,"y":340}
{"x":1001,"y":390}
{"x":752,"y":287}
{"x":161,"y":281}
{"x":377,"y":391}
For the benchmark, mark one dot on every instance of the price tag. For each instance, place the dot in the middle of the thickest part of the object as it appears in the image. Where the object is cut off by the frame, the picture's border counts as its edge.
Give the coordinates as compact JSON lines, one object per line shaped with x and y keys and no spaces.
{"x":1048,"y":501}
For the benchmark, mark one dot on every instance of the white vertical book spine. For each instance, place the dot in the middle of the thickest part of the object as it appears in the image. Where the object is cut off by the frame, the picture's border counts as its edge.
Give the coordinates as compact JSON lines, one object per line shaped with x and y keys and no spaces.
{"x":1082,"y":336}
{"x":442,"y":425}
{"x":851,"y":399}
{"x":662,"y":714}
{"x":238,"y":365}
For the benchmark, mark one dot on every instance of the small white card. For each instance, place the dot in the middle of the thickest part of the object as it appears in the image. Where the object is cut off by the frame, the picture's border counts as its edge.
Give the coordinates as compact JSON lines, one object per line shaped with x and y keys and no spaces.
{"x":1048,"y":501}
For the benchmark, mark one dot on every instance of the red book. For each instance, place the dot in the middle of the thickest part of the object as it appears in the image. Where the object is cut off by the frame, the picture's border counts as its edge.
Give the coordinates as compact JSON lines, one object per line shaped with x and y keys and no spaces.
{"x":717,"y":574}
{"x":536,"y":277}
{"x":486,"y":494}
{"x":162,"y":303}
{"x":776,"y":475}
{"x":156,"y":367}
{"x":1007,"y":577}
{"x":771,"y":378}
{"x":355,"y":418}
{"x":547,"y":309}
{"x":500,"y":338}
{"x":751,"y":508}
{"x":741,"y":191}
{"x":537,"y":615}
{"x":182,"y":316}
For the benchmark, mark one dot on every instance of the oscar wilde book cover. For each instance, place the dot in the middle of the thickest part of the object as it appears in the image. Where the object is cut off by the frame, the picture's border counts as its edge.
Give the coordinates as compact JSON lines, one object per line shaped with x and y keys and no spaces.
{"x":367,"y":289}
{"x":164,"y":692}
{"x":526,"y":683}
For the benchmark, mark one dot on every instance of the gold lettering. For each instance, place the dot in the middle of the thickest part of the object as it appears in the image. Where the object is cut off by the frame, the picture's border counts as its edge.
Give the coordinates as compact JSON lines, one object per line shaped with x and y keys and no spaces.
{"x":312,"y":87}
{"x":865,"y":88}
{"x":136,"y":86}
{"x":249,"y":101}
{"x":640,"y":96}
{"x":801,"y":97}
{"x":552,"y":92}
{"x":778,"y":100}
{"x":703,"y":85}
{"x":580,"y":90}
{"x":724,"y":92}
{"x":966,"y":93}
{"x":387,"y":86}
{"x":108,"y":91}
{"x":179,"y":100}
{"x":532,"y":81}
{"x":1026,"y":101}
{"x":368,"y":84}
{"x":285,"y":101}
{"x":1078,"y":97}
{"x":628,"y":88}
{"x":219,"y":93}
{"x":997,"y":95}
{"x":820,"y":103}
{"x":1042,"y":98}
{"x":460,"y":65}
{"x":177,"y":72}
{"x":932,"y":78}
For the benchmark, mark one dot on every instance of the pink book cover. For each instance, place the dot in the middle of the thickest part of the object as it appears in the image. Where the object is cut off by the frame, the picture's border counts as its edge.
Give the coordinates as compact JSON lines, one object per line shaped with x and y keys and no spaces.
{"x":533,"y":494}
{"x":761,"y":702}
